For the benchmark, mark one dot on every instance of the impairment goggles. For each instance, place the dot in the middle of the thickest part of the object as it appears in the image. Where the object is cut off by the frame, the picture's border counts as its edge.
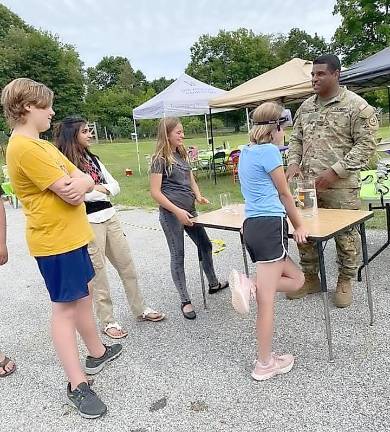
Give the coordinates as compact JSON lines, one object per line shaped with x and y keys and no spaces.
{"x":285,"y":120}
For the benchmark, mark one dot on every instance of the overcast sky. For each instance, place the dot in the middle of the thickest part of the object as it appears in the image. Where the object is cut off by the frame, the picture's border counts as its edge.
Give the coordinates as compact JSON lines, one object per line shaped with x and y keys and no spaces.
{"x":156,"y":35}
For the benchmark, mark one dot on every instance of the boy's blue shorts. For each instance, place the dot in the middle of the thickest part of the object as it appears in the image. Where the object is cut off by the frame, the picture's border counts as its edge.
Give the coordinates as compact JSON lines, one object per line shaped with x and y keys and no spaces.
{"x":67,"y":275}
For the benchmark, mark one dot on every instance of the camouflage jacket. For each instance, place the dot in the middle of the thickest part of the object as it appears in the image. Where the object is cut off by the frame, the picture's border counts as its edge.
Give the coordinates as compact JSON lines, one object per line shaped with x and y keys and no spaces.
{"x":337,"y":134}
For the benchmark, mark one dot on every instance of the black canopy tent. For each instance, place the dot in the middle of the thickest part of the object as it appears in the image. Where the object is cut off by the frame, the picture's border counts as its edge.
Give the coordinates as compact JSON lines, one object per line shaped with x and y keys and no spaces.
{"x":369,"y":74}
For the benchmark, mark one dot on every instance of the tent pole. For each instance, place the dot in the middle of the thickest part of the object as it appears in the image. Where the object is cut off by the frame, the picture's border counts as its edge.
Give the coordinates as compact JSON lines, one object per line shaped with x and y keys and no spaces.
{"x":212,"y":146}
{"x":136,"y":141}
{"x":207,"y":130}
{"x":247,"y":119}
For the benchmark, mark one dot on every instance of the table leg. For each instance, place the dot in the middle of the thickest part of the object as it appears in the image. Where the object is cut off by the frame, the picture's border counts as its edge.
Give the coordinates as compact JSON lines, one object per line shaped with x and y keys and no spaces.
{"x":366,"y":271}
{"x":244,"y":255}
{"x":385,"y":245}
{"x":202,"y":278}
{"x":325,"y":299}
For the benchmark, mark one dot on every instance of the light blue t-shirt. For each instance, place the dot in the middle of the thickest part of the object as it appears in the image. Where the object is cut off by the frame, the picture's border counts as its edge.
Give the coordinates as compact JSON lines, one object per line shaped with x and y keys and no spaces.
{"x":254,"y":167}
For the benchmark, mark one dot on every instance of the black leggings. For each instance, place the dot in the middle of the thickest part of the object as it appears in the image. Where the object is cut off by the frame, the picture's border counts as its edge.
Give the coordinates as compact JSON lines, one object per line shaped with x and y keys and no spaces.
{"x":174,"y":233}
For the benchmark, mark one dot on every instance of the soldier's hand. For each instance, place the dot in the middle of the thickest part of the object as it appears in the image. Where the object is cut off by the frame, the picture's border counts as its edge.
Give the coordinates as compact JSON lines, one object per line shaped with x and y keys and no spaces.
{"x":293,"y":170}
{"x":326,"y":179}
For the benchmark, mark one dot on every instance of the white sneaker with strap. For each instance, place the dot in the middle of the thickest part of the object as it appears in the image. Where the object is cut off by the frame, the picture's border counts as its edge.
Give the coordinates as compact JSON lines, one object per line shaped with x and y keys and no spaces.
{"x":279,"y":364}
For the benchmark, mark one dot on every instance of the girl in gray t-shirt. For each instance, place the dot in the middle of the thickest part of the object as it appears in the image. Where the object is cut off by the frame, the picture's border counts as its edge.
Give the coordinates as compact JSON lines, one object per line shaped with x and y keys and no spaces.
{"x":174,"y":188}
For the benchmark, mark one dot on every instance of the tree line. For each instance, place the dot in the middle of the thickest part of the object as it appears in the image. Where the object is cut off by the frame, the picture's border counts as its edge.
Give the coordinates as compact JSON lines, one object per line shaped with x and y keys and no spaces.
{"x":108,"y":92}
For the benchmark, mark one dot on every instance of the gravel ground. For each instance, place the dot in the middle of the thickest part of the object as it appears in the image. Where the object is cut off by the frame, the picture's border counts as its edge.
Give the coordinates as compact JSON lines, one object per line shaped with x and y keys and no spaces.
{"x":179,"y":375}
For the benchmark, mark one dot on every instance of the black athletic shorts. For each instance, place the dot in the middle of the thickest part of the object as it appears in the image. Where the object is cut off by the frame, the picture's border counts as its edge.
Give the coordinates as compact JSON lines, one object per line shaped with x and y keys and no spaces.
{"x":266,"y":238}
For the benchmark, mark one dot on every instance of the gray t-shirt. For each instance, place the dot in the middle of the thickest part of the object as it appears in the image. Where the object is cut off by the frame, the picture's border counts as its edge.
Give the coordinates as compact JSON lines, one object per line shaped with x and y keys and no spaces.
{"x":176,"y":185}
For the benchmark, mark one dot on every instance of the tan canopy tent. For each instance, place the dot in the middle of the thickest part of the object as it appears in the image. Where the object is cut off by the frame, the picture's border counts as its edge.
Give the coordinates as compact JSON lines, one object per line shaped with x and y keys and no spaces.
{"x":288,"y":82}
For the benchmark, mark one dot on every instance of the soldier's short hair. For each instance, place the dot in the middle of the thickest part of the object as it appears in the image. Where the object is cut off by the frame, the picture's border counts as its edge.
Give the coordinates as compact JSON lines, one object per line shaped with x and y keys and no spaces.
{"x":331,"y":60}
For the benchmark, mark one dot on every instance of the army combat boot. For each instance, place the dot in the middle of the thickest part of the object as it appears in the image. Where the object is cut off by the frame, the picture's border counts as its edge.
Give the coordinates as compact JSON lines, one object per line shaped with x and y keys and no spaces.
{"x":312,"y":285}
{"x":343,"y":294}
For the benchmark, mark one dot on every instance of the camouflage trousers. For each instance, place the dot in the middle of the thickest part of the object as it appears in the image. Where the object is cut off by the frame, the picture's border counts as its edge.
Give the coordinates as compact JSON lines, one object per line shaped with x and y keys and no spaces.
{"x":347,"y":242}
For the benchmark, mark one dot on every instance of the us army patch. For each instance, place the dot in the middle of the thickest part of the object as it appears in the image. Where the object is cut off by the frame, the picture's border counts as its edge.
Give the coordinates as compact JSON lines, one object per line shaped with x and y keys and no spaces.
{"x":373,"y":121}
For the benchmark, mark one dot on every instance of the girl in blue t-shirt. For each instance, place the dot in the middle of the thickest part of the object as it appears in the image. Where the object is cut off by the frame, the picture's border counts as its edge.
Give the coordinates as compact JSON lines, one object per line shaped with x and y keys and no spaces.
{"x":265,"y":230}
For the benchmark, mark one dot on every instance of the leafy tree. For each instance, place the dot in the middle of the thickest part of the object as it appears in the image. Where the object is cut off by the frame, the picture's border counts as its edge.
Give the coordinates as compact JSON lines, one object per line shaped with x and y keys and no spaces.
{"x":193,"y":125}
{"x":42,"y":57}
{"x":113,"y":90}
{"x":231,"y":58}
{"x":124,"y":127}
{"x":107,"y":72}
{"x":364,"y":30}
{"x":115,"y":72}
{"x":140,"y":80}
{"x":107,"y":106}
{"x":299,"y":44}
{"x":110,"y":105}
{"x":147,"y":128}
{"x":161,"y":84}
{"x":10,"y":20}
{"x":3,"y":124}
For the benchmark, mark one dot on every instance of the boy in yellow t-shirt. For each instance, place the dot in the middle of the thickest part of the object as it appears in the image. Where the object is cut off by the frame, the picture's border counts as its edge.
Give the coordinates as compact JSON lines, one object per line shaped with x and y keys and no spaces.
{"x":51,"y":190}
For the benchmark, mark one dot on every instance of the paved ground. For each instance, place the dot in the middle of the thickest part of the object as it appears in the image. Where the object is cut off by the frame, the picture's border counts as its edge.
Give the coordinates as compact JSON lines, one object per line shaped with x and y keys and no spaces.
{"x":180,"y":375}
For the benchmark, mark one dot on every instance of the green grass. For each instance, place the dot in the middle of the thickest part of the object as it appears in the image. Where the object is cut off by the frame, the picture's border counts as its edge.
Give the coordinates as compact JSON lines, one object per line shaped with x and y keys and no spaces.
{"x":378,"y":221}
{"x":135,"y":189}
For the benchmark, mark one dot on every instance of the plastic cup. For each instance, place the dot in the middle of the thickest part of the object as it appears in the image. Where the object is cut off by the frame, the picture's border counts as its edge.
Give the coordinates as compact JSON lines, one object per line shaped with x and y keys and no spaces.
{"x":306,"y":197}
{"x":225,"y":201}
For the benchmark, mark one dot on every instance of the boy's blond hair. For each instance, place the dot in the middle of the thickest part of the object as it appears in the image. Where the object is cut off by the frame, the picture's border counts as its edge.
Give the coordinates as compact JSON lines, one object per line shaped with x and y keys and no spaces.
{"x":265,"y":112}
{"x":21,"y":92}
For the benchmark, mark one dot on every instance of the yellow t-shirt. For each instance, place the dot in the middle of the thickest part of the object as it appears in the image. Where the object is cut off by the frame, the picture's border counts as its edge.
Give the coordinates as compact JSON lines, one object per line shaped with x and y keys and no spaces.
{"x":53,"y":225}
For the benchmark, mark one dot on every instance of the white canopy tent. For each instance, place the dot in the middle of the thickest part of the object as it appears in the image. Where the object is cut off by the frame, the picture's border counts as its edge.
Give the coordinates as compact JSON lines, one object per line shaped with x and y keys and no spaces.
{"x":186,"y":96}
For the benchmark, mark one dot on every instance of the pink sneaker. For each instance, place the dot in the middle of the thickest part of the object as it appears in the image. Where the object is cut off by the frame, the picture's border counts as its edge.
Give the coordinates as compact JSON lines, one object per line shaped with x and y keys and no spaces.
{"x":279,"y":364}
{"x":242,"y":288}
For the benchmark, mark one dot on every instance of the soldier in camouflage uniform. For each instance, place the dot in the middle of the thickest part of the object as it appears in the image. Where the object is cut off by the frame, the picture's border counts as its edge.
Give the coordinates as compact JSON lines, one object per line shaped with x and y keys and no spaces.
{"x":333,"y":138}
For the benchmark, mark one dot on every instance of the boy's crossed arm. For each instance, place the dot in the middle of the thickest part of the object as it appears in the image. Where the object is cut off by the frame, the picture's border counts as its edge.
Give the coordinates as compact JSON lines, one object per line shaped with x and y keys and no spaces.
{"x":72,"y":188}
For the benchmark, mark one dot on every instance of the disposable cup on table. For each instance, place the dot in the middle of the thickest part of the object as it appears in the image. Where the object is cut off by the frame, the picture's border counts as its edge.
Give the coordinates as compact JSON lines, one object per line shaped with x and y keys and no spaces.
{"x":225,"y":201}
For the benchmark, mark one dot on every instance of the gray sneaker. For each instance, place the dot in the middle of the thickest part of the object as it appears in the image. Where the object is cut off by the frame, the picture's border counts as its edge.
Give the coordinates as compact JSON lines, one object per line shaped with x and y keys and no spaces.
{"x":86,"y":401}
{"x":94,"y":365}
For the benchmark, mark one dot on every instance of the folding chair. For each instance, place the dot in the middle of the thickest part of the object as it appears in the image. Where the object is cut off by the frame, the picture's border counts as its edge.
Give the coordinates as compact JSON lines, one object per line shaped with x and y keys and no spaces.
{"x":217,"y":162}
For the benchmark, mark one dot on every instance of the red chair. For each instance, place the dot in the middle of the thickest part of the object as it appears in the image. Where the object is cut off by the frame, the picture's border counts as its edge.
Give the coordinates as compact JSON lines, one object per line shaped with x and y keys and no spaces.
{"x":193,"y":155}
{"x":232,"y":164}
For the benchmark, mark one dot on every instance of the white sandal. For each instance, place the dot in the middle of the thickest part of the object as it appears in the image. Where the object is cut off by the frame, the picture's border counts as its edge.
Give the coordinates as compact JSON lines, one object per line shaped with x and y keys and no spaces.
{"x":151,"y":315}
{"x":116,"y":326}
